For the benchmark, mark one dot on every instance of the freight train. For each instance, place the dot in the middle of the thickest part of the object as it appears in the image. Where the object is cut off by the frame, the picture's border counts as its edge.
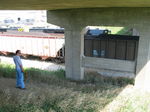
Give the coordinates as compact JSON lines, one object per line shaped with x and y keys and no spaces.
{"x":44,"y":43}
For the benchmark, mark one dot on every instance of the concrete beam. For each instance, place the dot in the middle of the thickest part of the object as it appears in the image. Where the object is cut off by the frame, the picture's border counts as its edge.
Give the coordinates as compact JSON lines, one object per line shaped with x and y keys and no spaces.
{"x":127,"y":17}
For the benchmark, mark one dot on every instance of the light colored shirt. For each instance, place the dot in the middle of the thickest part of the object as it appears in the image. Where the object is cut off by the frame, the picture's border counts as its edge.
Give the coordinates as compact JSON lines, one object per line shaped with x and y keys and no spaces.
{"x":17,"y":62}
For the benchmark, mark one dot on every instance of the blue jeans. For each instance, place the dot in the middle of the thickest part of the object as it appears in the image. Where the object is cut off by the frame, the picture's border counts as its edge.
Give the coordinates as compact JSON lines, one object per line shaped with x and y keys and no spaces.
{"x":19,"y":78}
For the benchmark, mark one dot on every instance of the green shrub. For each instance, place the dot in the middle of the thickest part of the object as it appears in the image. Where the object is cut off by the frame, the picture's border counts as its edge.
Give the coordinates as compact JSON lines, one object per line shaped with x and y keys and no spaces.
{"x":7,"y":70}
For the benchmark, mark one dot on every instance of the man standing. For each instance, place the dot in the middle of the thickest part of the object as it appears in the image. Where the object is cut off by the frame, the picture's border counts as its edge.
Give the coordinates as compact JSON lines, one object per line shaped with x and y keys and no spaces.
{"x":19,"y":70}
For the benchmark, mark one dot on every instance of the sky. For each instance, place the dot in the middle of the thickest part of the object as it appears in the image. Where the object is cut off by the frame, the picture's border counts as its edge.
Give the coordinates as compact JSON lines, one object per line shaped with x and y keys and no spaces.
{"x":23,"y":14}
{"x":40,"y":17}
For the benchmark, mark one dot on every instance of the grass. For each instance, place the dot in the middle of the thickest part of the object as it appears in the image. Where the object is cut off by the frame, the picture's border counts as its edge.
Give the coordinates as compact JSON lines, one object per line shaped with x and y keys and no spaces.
{"x":117,"y":30}
{"x":8,"y":70}
{"x":49,"y":91}
{"x":134,"y":100}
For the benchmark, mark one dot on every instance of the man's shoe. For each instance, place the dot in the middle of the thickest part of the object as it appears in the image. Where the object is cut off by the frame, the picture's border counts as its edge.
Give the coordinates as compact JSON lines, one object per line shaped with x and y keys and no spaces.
{"x":18,"y":87}
{"x":22,"y":88}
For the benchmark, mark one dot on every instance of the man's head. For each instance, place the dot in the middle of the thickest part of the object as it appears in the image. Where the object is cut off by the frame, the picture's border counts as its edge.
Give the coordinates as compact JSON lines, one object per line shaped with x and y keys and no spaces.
{"x":18,"y":52}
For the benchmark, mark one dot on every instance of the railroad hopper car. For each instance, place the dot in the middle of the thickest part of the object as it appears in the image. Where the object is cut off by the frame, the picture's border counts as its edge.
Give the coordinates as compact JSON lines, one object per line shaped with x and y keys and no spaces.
{"x":47,"y":45}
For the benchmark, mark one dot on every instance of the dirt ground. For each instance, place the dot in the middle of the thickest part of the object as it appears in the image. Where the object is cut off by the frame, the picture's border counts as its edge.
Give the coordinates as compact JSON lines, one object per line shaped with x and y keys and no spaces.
{"x":9,"y":84}
{"x":35,"y":92}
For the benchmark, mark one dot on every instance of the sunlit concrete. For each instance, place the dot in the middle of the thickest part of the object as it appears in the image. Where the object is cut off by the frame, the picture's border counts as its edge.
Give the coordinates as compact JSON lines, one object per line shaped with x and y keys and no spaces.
{"x":73,"y":54}
{"x":111,"y":64}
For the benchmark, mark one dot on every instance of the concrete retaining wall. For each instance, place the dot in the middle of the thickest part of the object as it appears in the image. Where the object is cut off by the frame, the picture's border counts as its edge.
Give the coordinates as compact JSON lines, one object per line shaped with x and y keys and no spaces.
{"x":109,"y":64}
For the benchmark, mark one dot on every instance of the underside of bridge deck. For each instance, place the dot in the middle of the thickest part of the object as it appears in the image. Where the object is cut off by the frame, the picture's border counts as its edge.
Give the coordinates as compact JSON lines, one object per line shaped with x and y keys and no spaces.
{"x":68,"y":4}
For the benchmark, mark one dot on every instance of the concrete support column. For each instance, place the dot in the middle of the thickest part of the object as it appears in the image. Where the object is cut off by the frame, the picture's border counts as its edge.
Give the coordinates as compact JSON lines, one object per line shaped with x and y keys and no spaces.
{"x":73,"y":54}
{"x":142,"y":79}
{"x":74,"y":41}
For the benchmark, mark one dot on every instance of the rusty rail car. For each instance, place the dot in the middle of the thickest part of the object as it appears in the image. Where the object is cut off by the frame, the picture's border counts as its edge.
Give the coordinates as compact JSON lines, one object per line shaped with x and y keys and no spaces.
{"x":48,"y":45}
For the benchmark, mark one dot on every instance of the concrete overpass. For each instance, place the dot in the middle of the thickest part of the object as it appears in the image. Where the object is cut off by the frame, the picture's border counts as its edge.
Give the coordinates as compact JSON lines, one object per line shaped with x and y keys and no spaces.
{"x":69,"y":4}
{"x":75,"y":15}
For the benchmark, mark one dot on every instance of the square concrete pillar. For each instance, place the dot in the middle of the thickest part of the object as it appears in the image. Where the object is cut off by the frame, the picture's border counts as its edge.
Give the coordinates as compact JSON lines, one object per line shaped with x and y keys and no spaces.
{"x":73,"y":55}
{"x":142,"y":79}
